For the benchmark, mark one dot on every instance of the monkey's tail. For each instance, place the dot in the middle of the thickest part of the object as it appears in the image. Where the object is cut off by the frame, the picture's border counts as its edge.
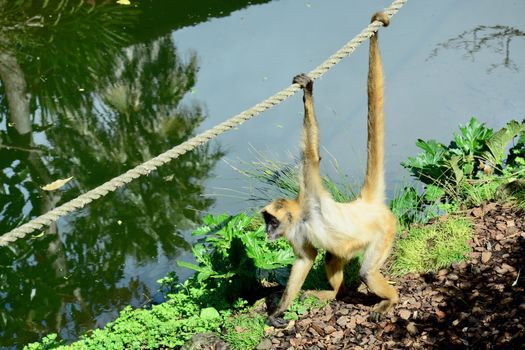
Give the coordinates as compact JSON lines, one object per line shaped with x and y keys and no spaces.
{"x":374,"y":186}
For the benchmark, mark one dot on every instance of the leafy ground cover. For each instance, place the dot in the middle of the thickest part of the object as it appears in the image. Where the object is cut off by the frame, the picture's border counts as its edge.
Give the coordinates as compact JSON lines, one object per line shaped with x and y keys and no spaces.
{"x":441,"y":238}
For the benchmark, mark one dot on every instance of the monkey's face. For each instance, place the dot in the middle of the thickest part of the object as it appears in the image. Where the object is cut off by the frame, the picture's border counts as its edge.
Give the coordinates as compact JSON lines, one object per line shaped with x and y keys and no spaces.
{"x":279,"y":216}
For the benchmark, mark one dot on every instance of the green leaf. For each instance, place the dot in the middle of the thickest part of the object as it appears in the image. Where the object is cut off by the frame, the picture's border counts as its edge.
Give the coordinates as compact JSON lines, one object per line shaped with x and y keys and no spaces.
{"x":454,"y":164}
{"x":468,"y":168}
{"x":209,"y":313}
{"x":428,"y":166}
{"x":433,"y":193}
{"x":472,"y":137}
{"x":433,"y":150}
{"x":498,"y":143}
{"x":201,"y":231}
{"x":224,"y":275}
{"x":191,"y":266}
{"x":204,"y":275}
{"x":200,"y":252}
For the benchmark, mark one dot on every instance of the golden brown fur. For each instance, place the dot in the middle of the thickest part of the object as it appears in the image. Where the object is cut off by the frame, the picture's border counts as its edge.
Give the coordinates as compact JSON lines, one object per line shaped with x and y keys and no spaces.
{"x":315,"y":220}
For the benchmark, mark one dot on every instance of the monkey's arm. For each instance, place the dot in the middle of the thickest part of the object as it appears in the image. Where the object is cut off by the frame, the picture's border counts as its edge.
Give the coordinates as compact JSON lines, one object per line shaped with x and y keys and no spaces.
{"x":311,"y":178}
{"x":302,"y":265}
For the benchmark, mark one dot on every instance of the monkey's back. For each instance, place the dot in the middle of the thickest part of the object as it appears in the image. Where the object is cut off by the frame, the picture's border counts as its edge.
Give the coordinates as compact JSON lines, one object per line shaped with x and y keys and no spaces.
{"x":341,"y":227}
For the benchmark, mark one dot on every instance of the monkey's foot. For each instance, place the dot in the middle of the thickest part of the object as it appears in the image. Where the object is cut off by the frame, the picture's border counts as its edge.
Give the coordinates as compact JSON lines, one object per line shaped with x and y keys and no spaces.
{"x":303,"y":80}
{"x":380,"y":309}
{"x":277,"y":321}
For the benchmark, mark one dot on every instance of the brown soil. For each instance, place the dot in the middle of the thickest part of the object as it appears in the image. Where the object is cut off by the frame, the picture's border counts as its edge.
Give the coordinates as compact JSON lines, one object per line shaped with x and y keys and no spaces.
{"x":476,"y":304}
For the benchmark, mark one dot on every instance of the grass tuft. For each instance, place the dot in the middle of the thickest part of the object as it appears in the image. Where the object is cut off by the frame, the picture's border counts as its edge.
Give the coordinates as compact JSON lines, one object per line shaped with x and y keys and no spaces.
{"x":281,"y":179}
{"x":477,"y":192}
{"x":244,"y":331}
{"x":432,"y":247}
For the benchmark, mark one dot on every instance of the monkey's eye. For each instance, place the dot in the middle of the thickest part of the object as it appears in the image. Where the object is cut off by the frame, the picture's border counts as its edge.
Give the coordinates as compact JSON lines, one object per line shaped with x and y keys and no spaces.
{"x":270,"y":220}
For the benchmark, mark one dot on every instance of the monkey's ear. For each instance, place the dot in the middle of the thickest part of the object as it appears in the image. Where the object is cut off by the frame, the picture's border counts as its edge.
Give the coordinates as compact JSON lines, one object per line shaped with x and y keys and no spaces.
{"x":272,"y":224}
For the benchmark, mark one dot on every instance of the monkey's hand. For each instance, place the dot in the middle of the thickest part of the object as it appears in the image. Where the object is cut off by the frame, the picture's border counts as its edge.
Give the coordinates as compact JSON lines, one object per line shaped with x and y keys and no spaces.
{"x":381,"y":17}
{"x":375,"y":316}
{"x":304,"y":81}
{"x":277,"y":321}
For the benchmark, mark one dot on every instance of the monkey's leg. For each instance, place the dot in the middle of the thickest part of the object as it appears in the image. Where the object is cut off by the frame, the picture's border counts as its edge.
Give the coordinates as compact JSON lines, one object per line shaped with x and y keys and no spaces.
{"x":378,"y":285}
{"x":334,"y":266}
{"x":300,"y":269}
{"x":375,"y":256}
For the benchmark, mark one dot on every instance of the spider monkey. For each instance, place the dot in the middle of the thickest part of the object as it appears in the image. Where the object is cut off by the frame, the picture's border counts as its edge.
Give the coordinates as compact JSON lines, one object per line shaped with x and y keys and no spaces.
{"x":315,"y":220}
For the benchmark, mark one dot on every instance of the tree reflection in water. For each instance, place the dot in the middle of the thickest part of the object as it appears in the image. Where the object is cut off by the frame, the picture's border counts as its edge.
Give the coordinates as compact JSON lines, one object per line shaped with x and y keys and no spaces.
{"x":496,"y":38}
{"x":76,"y":101}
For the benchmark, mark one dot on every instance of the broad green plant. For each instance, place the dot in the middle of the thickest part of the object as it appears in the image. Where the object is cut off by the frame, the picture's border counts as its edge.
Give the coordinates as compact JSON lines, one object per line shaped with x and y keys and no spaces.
{"x":232,"y":253}
{"x":474,"y":147}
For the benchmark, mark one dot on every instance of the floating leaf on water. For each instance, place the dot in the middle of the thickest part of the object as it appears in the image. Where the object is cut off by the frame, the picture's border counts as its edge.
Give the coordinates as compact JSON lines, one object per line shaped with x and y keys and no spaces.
{"x":56,"y":184}
{"x":123,"y":2}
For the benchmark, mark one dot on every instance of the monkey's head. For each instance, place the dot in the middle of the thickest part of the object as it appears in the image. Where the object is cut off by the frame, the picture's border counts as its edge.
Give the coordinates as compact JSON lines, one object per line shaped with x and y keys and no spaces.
{"x":279,"y":216}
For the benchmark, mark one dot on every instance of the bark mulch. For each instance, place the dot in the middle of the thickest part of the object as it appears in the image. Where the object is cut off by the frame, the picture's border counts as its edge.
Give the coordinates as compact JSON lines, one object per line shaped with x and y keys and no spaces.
{"x":476,"y":304}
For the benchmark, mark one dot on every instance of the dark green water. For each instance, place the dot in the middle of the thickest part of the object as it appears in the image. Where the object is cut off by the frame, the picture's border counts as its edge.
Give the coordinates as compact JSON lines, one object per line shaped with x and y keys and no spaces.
{"x":89,"y":89}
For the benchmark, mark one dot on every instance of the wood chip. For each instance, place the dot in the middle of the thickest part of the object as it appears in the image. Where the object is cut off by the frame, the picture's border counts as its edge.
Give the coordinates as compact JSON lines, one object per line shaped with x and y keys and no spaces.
{"x":343,"y":321}
{"x":337,"y":335}
{"x":329,"y":329}
{"x":411,"y":328}
{"x":477,"y":212}
{"x":404,"y":314}
{"x":318,"y":327}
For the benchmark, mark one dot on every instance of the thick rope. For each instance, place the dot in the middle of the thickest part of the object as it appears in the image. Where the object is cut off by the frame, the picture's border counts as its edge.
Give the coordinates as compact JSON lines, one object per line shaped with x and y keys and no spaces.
{"x":177,"y":151}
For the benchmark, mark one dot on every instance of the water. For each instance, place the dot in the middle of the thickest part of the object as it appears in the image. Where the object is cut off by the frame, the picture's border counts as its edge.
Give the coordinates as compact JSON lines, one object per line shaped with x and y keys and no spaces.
{"x":109,"y":88}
